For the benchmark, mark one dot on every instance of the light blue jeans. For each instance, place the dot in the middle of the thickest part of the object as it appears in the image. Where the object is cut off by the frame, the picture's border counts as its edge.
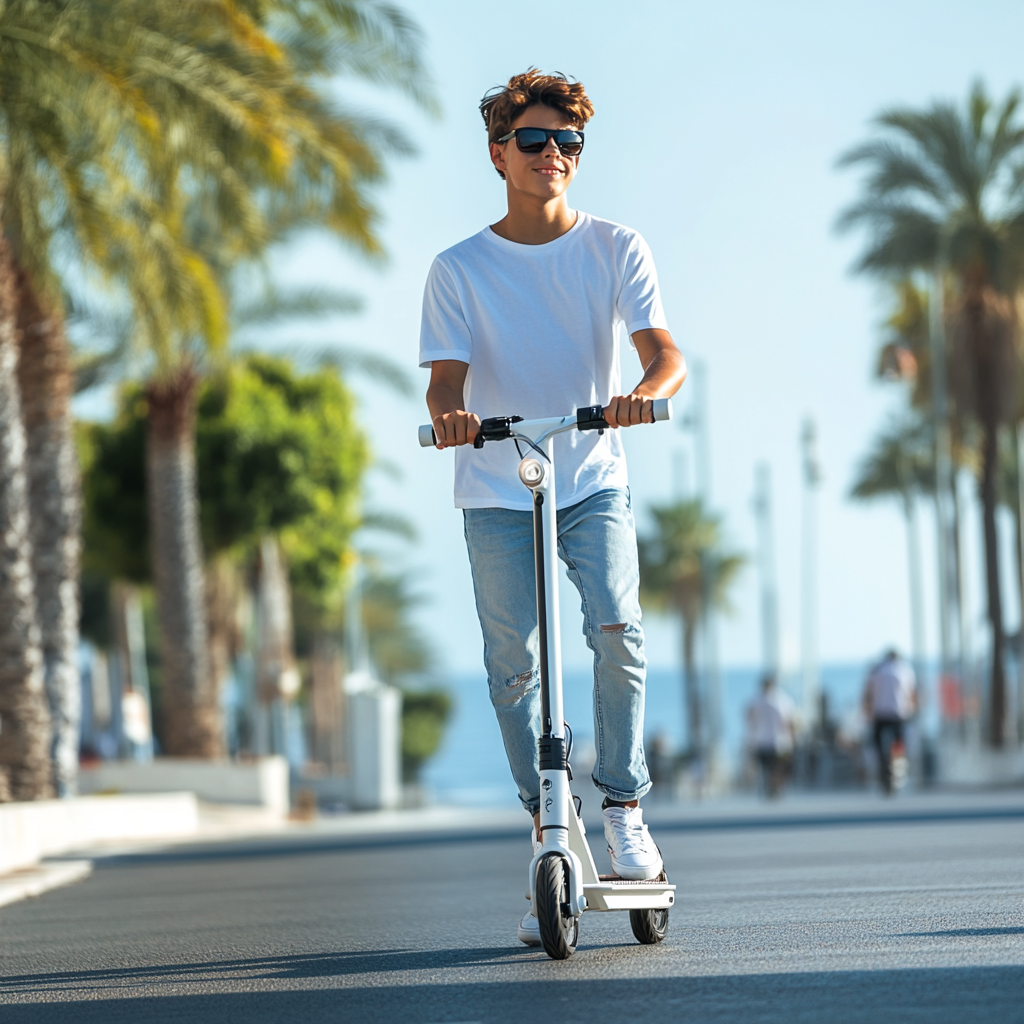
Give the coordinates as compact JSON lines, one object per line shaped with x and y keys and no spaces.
{"x":597,"y":543}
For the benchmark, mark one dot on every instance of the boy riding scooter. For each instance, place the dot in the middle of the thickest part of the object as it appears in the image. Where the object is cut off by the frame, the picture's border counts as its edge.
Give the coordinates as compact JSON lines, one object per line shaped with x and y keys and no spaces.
{"x":524,"y":316}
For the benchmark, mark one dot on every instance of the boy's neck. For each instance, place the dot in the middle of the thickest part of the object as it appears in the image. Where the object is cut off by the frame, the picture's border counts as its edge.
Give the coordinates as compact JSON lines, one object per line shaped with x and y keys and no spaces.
{"x":532,"y":221}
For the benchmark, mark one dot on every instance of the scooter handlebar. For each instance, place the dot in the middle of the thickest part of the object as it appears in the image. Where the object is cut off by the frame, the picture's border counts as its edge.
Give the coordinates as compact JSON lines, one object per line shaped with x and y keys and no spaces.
{"x":661,"y":407}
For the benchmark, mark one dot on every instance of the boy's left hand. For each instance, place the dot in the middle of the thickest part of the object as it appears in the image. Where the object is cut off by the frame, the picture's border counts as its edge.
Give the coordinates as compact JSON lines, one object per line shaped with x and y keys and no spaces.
{"x":628,"y":410}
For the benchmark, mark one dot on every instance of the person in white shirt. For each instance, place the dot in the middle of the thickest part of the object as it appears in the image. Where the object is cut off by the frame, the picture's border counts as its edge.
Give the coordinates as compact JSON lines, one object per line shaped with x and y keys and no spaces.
{"x":890,"y":700}
{"x":523,"y":319}
{"x":771,"y":728}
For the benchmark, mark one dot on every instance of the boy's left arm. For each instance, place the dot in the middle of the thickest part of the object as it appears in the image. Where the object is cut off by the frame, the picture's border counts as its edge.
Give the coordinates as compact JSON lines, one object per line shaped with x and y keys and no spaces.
{"x":664,"y":372}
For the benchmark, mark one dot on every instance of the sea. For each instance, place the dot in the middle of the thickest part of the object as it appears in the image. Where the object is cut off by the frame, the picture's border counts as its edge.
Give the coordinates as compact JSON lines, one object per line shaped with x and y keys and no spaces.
{"x":471,"y":769}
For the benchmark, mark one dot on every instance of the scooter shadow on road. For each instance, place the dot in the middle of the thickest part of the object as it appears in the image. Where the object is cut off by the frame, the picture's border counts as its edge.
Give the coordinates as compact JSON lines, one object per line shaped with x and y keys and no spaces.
{"x":299,"y":965}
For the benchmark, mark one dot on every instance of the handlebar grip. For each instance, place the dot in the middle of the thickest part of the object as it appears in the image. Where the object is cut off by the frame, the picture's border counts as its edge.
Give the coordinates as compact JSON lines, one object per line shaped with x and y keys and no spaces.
{"x":662,"y":409}
{"x":426,"y":436}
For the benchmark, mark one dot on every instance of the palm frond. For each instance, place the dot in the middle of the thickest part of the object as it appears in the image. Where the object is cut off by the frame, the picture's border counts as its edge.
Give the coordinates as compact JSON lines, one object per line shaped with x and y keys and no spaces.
{"x":900,"y":464}
{"x":389,"y":522}
{"x":355,"y":360}
{"x":275,"y":306}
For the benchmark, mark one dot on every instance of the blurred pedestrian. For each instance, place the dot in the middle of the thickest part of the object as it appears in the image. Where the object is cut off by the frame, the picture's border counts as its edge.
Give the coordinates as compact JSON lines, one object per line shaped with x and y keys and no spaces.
{"x":770,"y":722}
{"x":890,"y":700}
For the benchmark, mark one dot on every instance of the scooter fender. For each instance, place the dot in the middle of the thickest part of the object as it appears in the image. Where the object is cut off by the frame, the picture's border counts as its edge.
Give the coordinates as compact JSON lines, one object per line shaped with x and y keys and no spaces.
{"x":577,"y":900}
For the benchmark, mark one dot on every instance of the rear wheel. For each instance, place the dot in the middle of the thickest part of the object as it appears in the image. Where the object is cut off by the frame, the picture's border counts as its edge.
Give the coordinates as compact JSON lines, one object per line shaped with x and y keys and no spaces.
{"x":650,"y":926}
{"x":559,"y":930}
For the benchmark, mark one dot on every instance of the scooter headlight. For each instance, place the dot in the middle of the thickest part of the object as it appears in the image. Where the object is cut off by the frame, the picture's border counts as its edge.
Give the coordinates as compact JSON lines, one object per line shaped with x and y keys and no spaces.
{"x":531,"y":472}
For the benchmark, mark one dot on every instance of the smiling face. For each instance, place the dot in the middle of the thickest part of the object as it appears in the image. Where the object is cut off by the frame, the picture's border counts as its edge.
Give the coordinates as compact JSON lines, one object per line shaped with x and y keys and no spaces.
{"x":544,"y":175}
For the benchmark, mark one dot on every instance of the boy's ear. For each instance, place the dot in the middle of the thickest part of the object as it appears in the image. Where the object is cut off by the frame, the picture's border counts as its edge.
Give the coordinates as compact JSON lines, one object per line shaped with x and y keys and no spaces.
{"x":498,"y":157}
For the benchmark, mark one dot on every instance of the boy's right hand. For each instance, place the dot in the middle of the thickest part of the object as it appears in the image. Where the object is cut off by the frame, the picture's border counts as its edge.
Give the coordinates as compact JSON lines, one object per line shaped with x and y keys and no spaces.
{"x":454,"y":428}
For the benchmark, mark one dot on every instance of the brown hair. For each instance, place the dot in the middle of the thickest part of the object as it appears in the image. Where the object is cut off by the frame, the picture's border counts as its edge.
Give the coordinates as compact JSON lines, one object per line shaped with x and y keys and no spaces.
{"x":503,"y":104}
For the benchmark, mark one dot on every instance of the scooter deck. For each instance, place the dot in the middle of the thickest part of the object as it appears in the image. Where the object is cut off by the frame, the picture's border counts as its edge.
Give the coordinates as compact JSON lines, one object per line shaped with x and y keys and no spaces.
{"x":612,"y":892}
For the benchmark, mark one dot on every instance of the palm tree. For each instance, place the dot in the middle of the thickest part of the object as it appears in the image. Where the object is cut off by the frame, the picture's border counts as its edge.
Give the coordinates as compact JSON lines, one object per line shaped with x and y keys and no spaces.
{"x":684,"y":569}
{"x":64,"y":99}
{"x":944,"y":195}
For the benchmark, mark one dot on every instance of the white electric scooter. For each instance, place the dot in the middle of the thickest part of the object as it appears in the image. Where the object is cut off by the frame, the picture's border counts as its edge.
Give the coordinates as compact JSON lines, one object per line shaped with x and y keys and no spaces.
{"x":563,"y":880}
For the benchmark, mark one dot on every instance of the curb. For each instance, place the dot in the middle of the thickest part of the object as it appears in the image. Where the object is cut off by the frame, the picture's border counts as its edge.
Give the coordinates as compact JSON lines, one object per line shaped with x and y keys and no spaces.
{"x":34,"y":881}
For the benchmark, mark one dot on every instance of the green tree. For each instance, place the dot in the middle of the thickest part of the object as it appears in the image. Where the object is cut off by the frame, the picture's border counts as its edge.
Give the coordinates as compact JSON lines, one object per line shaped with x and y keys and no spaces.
{"x":944,"y":194}
{"x":278,"y":452}
{"x":685,"y":569}
{"x":424,"y":716}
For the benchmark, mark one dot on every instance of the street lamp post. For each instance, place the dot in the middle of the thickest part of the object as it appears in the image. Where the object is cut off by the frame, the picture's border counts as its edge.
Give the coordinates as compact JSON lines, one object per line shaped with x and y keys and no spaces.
{"x":809,"y":566}
{"x":766,"y":570}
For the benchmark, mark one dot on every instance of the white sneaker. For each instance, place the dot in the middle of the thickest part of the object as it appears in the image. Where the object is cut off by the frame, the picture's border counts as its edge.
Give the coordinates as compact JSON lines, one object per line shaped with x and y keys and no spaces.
{"x":529,"y":927}
{"x":529,"y":930}
{"x":632,"y":849}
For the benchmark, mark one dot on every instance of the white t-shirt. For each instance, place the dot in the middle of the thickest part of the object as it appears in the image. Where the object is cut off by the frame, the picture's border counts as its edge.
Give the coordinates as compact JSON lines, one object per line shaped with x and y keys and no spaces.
{"x":891,"y":689}
{"x":771,"y":720}
{"x":538,"y":325}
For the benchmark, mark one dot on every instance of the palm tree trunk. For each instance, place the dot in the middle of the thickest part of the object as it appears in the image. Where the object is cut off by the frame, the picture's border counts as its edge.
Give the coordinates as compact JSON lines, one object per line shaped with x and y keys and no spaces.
{"x":997,"y":680}
{"x":693,"y":715}
{"x":46,"y":381}
{"x":25,"y":772}
{"x":192,"y":726}
{"x":989,"y":386}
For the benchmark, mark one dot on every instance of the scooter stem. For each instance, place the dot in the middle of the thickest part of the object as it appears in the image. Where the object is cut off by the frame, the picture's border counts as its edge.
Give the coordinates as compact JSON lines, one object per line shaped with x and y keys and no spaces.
{"x":554,"y":780}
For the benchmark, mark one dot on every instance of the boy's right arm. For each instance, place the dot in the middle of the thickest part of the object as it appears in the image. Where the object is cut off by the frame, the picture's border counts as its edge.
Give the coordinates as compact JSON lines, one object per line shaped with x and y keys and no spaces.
{"x":445,"y":400}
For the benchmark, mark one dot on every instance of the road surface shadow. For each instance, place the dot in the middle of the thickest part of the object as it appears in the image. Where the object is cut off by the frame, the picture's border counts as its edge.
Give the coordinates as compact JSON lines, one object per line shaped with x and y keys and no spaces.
{"x":917,"y":996}
{"x":302,"y":965}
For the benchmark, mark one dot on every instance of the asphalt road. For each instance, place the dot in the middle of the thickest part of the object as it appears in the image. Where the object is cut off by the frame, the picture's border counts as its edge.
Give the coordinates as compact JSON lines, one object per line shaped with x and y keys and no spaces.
{"x":859,"y":912}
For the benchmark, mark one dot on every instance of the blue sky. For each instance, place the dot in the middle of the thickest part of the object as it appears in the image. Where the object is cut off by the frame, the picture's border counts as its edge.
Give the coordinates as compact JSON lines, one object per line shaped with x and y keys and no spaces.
{"x":717,"y":130}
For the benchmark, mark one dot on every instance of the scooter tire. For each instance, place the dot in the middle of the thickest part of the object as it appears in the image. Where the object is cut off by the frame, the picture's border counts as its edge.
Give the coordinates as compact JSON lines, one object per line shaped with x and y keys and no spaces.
{"x":559,"y":930}
{"x":650,"y":926}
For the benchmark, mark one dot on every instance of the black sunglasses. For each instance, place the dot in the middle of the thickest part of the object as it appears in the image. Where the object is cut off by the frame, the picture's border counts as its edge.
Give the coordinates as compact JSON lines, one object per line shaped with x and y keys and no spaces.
{"x":533,"y":140}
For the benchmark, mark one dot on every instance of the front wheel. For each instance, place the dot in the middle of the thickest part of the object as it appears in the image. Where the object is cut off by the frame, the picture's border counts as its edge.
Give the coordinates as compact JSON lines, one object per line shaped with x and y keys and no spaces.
{"x":559,"y":930}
